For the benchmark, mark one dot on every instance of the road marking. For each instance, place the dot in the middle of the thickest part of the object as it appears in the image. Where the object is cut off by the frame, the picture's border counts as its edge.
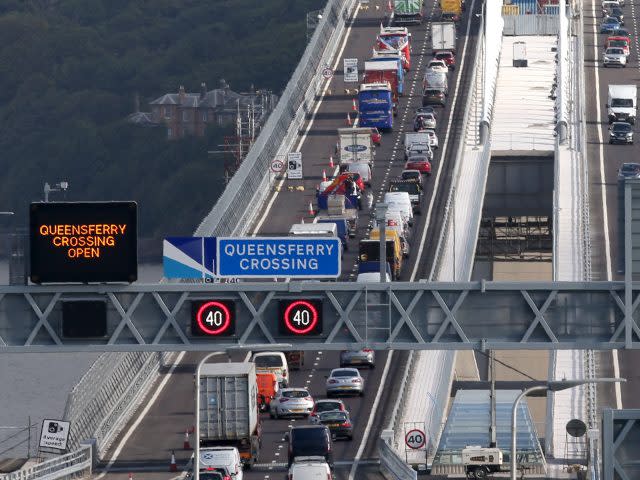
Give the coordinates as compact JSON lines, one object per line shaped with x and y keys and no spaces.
{"x":144,"y":412}
{"x":313,"y":117}
{"x":605,"y":215}
{"x":374,"y":408}
{"x":444,"y":151}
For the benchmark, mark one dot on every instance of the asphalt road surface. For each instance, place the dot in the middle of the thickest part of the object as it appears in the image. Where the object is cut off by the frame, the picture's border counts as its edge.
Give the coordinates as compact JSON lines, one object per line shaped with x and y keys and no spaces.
{"x":147,"y":450}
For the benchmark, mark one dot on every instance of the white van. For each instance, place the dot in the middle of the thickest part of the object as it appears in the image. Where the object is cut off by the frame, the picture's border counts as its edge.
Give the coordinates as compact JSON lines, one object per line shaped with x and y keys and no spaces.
{"x":402,"y":202}
{"x":328,"y":230}
{"x":622,"y":102}
{"x":274,"y":362}
{"x":225,"y":460}
{"x":363,"y":169}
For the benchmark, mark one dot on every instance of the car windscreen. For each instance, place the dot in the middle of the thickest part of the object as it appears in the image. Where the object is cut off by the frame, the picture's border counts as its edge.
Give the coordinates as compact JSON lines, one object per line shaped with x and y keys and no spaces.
{"x":617,"y":43}
{"x":622,"y":128}
{"x":327,"y":406}
{"x":410,"y":175}
{"x":268,"y":361}
{"x":629,"y":169}
{"x":333,"y":417}
{"x":295,"y":394}
{"x":614,"y":51}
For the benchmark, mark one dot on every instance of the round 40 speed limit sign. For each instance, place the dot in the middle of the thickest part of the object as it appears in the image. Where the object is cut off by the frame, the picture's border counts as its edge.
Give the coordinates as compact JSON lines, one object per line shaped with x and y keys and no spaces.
{"x":301,"y":317}
{"x":415,"y":439}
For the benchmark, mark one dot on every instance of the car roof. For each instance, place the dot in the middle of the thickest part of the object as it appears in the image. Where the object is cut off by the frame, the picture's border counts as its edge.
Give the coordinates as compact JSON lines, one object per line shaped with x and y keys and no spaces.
{"x":329,"y":400}
{"x":294,"y":389}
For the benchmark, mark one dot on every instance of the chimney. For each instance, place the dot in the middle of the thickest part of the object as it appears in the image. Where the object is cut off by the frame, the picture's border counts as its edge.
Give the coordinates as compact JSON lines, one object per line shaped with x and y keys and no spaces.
{"x":181,"y":94}
{"x":203,"y":90}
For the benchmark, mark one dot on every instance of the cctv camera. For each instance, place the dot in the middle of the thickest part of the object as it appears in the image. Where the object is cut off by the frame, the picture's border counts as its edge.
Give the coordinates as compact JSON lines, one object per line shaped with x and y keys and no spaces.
{"x":64,"y":185}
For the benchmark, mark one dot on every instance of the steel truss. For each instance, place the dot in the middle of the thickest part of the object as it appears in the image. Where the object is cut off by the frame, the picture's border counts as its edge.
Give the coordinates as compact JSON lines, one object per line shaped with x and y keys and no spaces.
{"x":522,"y":238}
{"x":620,"y":444}
{"x":474,"y":315}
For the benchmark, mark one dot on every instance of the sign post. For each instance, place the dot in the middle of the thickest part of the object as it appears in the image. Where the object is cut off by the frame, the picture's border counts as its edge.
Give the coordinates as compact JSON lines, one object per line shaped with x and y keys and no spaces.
{"x":294,"y":165}
{"x":54,"y":435}
{"x":351,"y":70}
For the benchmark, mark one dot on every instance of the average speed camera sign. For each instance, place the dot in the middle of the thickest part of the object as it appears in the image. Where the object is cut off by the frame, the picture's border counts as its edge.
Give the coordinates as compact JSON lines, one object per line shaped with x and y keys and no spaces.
{"x":415,"y":439}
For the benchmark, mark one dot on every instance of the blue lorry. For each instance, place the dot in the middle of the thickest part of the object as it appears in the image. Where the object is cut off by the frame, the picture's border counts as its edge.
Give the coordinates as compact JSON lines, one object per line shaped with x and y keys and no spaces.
{"x":375,"y":106}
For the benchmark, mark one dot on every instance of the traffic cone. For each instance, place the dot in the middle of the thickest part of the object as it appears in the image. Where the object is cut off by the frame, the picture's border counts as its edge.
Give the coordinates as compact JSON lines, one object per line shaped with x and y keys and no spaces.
{"x":302,"y":220}
{"x":192,"y":429}
{"x":389,"y":6}
{"x":331,"y":165}
{"x":324,"y":176}
{"x":348,"y":119}
{"x":173,"y":466}
{"x":186,"y":445}
{"x":130,"y":476}
{"x":354,"y":107}
{"x":381,"y":27}
{"x":311,"y":212}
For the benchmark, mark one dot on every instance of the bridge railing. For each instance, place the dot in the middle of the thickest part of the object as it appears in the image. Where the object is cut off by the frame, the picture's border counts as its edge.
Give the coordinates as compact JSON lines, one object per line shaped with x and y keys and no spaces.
{"x":102,"y":402}
{"x":76,"y":464}
{"x":238,"y":205}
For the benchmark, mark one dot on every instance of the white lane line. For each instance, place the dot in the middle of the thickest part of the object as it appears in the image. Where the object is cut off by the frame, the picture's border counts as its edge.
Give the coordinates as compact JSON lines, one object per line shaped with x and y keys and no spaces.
{"x":444,"y":152}
{"x":144,"y":412}
{"x":605,"y":215}
{"x":313,"y":117}
{"x":374,"y":408}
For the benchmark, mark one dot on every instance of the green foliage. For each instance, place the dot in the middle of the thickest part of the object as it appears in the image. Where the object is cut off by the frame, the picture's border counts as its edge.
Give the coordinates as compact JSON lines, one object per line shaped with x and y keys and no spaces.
{"x":69,"y":72}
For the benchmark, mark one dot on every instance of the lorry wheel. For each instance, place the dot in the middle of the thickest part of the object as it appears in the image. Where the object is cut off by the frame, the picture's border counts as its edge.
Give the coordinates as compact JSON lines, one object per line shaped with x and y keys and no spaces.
{"x":480,"y":473}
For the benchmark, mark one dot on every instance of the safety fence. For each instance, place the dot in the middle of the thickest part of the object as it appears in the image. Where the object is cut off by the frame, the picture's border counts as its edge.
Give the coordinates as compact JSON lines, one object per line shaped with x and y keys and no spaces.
{"x":76,"y":464}
{"x":102,"y":402}
{"x":492,"y":37}
{"x":392,"y":466}
{"x":237,"y":207}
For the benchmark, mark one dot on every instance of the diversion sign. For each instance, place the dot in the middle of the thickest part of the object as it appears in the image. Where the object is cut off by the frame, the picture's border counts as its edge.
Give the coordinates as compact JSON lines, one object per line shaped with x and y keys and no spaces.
{"x":83,"y":242}
{"x":279,"y":257}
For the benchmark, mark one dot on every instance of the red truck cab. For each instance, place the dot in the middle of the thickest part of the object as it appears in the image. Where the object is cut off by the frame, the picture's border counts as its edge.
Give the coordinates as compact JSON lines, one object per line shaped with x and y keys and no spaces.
{"x":396,"y":38}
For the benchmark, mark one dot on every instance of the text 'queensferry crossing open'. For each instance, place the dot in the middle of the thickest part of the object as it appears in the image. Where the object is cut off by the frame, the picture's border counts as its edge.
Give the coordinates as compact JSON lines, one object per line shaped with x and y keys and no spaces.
{"x":279,"y":257}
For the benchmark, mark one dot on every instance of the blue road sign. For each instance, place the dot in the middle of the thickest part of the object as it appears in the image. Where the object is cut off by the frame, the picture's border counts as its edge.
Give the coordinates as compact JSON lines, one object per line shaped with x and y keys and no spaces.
{"x":189,"y":257}
{"x":279,"y":257}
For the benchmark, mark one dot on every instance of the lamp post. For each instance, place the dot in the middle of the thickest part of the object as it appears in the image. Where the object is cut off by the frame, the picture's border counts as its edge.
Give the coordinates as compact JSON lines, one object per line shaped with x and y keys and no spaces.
{"x":554,"y":386}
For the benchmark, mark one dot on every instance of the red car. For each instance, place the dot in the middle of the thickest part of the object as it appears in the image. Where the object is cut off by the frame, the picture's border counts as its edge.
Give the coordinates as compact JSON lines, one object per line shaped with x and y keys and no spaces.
{"x":420,"y":163}
{"x":376,"y":137}
{"x":447,"y":57}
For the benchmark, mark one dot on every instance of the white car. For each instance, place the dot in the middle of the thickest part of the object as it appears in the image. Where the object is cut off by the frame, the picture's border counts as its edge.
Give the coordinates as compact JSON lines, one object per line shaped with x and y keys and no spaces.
{"x":425,"y":120}
{"x":433,"y":137}
{"x":345,"y":380}
{"x":418,"y":148}
{"x":225,"y":460}
{"x":310,"y":468}
{"x":291,"y":401}
{"x":439,"y":66}
{"x":614,"y":56}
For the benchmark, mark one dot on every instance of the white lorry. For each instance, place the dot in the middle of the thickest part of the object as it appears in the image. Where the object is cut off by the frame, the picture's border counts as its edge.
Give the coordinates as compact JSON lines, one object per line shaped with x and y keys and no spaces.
{"x":622,"y":103}
{"x":355,"y":145}
{"x":443,"y":37}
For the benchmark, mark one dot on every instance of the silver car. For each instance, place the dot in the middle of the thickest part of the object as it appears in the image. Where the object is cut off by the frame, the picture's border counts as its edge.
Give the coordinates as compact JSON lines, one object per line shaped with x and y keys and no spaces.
{"x":290,"y":402}
{"x":614,"y":56}
{"x":345,"y":380}
{"x":365,"y":356}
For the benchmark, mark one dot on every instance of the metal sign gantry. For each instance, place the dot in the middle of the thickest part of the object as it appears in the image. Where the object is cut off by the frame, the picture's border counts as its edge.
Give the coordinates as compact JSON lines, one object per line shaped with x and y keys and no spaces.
{"x":474,"y":315}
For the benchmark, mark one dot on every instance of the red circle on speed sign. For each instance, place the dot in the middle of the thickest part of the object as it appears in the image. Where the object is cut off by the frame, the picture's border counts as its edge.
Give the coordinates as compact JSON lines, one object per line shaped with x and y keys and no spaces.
{"x":415,"y":439}
{"x":300,"y":307}
{"x":216,"y":310}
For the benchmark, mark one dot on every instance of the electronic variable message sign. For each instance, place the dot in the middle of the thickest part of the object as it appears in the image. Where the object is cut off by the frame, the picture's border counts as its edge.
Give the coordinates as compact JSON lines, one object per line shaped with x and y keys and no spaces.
{"x":213,"y":318}
{"x":83,"y":242}
{"x":300,"y":317}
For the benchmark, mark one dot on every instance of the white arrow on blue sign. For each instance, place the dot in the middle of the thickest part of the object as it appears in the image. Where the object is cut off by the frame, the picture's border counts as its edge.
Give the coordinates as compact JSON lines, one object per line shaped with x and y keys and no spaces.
{"x":279,"y":257}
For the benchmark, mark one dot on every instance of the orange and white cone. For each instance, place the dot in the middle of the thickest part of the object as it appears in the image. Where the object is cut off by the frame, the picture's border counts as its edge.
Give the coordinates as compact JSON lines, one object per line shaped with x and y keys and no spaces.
{"x":324,"y":176}
{"x":354,"y":107}
{"x":186,"y":445}
{"x":311,"y":212}
{"x":130,"y":476}
{"x":390,"y":6}
{"x":331,"y":165}
{"x":302,"y":220}
{"x":173,"y":466}
{"x":348,"y":119}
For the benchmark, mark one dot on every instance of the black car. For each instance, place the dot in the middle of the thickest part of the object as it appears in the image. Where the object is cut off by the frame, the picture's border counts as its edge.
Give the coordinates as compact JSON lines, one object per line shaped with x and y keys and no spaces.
{"x":339,"y":424}
{"x":617,"y":13}
{"x":620,"y":132}
{"x":310,"y":440}
{"x":433,"y":96}
{"x":629,"y":170}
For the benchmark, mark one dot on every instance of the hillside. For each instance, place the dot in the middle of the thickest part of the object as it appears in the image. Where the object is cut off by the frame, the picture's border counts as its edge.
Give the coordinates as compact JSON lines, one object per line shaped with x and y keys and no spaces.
{"x":69,"y":73}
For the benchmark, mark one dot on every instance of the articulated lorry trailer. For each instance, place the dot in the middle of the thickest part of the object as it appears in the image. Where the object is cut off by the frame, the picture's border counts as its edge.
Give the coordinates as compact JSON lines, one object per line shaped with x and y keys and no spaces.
{"x":229,"y":409}
{"x":407,"y":12}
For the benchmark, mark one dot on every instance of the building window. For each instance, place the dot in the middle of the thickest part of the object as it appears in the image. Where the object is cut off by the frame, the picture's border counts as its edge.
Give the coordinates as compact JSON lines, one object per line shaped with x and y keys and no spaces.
{"x":204,"y":116}
{"x":167,"y":112}
{"x":168,"y":133}
{"x":185,"y":115}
